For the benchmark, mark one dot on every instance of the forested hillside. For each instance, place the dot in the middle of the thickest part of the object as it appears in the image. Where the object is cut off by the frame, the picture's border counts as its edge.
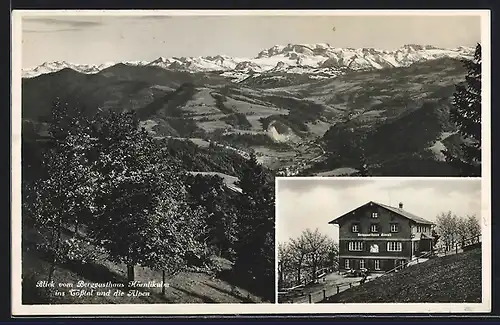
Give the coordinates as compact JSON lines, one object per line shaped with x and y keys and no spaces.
{"x":102,"y":192}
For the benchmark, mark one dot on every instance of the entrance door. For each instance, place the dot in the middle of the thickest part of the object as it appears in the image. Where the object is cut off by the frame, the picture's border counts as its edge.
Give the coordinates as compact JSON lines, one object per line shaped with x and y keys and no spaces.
{"x":426,"y":245}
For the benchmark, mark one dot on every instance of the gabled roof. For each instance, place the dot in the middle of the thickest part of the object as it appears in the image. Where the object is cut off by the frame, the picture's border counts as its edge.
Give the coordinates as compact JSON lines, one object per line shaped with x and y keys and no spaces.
{"x":398,"y":211}
{"x":406,"y":214}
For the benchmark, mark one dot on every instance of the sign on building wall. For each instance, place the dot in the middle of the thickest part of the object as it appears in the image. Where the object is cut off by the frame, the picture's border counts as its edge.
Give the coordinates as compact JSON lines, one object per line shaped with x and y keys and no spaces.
{"x":374,"y":235}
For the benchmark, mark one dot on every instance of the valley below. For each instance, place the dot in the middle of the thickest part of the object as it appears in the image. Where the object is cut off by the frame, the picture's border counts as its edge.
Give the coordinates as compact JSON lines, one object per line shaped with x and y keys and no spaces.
{"x":298,"y":122}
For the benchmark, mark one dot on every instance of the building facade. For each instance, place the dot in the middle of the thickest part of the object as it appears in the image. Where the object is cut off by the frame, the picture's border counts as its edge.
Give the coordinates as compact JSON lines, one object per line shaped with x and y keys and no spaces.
{"x":379,"y":237}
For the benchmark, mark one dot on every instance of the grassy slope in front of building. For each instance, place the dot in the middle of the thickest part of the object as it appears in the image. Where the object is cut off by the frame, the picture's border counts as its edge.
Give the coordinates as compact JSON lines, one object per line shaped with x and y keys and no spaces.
{"x":450,"y":279}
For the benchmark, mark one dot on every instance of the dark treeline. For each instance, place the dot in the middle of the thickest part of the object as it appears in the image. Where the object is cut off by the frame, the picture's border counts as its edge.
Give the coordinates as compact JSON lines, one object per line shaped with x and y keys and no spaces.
{"x":125,"y":194}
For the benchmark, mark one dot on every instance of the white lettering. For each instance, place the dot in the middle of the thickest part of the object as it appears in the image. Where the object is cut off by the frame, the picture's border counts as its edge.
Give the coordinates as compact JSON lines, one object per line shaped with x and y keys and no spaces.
{"x":374,"y":235}
{"x":45,"y":284}
{"x":137,"y":293}
{"x":81,"y":293}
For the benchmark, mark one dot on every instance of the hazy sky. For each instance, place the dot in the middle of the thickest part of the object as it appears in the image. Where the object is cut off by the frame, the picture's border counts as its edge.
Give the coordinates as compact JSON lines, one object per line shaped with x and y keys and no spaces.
{"x":91,"y":39}
{"x":306,"y":203}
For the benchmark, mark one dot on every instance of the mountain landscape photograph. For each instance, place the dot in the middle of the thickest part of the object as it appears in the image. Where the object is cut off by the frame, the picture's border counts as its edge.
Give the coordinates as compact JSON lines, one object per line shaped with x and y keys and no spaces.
{"x":307,"y":109}
{"x":151,"y":142}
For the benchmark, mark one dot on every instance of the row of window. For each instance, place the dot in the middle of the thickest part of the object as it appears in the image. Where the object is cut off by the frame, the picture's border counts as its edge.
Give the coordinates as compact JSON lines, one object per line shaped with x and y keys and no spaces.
{"x":359,"y":246}
{"x":362,"y":264}
{"x":376,"y":264}
{"x":375,"y":227}
{"x":425,"y":229}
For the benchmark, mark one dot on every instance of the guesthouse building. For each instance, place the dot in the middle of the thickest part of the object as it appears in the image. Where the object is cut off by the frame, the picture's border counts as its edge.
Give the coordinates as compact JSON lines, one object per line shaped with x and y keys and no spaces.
{"x":379,"y":237}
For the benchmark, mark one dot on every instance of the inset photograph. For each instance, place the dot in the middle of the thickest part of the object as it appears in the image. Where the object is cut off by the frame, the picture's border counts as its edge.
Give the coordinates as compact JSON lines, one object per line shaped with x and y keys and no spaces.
{"x":147,"y":144}
{"x":380,"y":240}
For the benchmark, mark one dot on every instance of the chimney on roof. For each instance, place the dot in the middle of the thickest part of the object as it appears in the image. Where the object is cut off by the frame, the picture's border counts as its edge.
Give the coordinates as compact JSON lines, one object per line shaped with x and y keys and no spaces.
{"x":401,"y":205}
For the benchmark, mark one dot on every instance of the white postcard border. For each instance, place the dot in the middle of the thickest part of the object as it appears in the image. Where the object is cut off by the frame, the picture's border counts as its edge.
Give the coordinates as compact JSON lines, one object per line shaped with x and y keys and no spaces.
{"x":228,"y":309}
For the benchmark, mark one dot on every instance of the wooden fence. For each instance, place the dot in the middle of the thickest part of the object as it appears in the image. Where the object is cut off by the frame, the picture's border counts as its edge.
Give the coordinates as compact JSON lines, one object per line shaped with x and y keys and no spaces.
{"x":459,"y":247}
{"x":298,"y":296}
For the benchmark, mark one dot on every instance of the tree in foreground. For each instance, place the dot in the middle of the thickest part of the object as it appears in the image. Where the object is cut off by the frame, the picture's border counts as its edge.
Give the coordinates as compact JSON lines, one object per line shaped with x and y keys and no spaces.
{"x":63,"y":192}
{"x":298,"y":252}
{"x":284,"y":264}
{"x":473,"y":226}
{"x":220,"y":228}
{"x":307,"y":256}
{"x":319,"y":250}
{"x":140,"y":215}
{"x":452,"y":229}
{"x":447,"y":228}
{"x":255,"y":246}
{"x":174,"y":236}
{"x":466,"y":114}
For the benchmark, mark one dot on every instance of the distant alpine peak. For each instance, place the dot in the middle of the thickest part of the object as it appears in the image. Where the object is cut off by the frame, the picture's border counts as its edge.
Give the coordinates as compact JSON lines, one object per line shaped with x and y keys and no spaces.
{"x":160,"y":59}
{"x":319,"y":47}
{"x":284,"y":58}
{"x":45,"y":64}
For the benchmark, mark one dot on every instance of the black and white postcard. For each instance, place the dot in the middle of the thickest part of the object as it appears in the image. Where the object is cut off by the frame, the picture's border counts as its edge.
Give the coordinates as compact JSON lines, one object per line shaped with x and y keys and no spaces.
{"x":152,"y":151}
{"x":394,"y":241}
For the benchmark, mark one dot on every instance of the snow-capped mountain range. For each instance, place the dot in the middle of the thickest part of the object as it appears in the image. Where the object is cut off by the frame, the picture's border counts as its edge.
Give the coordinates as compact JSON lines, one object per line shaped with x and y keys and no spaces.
{"x":292,"y":58}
